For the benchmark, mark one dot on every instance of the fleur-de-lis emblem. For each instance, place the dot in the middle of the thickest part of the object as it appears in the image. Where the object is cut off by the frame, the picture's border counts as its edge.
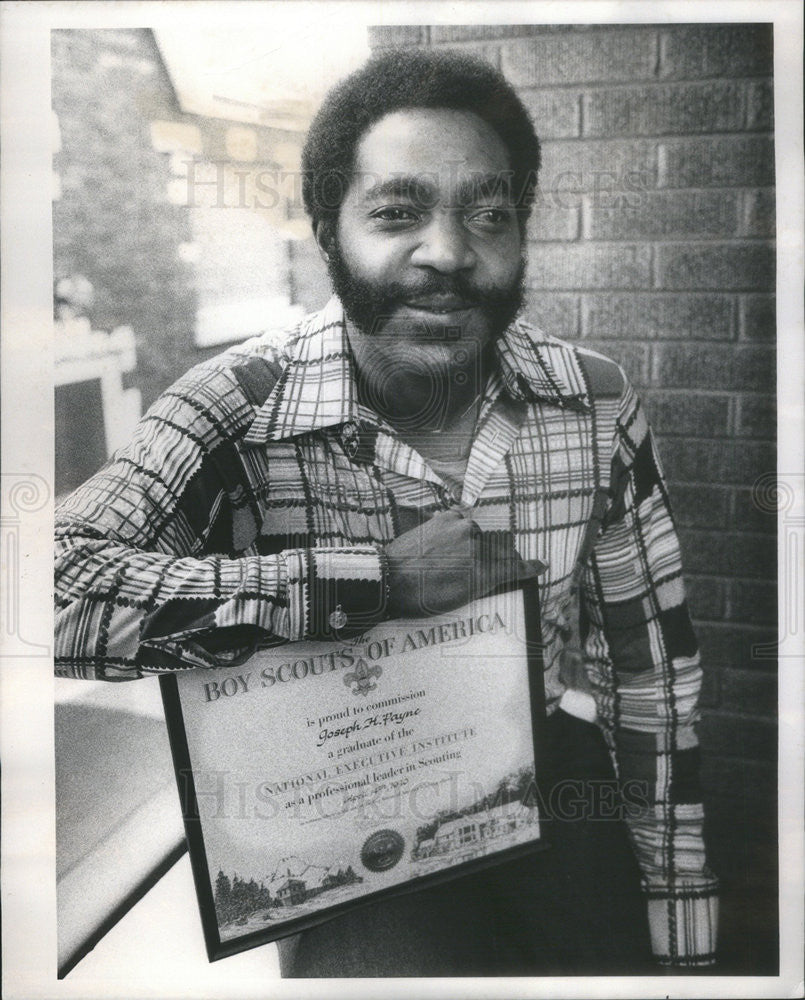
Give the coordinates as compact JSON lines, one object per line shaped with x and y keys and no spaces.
{"x":360,"y":677}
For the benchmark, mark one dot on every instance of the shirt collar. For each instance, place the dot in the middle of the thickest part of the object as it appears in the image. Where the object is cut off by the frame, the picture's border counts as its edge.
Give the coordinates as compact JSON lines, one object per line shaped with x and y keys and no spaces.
{"x":538,"y":368}
{"x":317,"y":387}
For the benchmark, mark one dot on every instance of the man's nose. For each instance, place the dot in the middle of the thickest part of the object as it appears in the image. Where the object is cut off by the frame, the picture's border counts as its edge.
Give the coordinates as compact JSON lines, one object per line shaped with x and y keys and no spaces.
{"x":445,"y":245}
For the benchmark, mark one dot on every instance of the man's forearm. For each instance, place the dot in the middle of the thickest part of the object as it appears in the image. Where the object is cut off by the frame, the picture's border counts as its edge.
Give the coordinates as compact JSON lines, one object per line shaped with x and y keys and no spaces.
{"x":122,"y":612}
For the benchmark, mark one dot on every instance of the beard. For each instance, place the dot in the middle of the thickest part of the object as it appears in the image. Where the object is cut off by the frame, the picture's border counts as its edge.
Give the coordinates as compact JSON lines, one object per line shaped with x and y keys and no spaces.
{"x":369,"y":304}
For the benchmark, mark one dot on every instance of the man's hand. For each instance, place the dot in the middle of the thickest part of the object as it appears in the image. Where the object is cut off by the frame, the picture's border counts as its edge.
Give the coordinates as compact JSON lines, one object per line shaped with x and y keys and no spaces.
{"x":448,"y":562}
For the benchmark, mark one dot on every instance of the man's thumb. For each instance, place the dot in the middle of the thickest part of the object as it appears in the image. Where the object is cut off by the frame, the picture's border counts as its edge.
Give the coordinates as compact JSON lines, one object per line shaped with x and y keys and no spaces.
{"x":530,"y":569}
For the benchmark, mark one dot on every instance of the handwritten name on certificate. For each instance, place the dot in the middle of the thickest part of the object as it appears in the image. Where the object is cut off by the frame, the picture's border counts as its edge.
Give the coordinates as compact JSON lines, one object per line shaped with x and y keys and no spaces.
{"x":324,"y":773}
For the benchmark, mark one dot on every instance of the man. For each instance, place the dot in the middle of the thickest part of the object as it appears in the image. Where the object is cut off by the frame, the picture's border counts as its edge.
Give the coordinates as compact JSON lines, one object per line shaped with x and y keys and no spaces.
{"x":359,"y":472}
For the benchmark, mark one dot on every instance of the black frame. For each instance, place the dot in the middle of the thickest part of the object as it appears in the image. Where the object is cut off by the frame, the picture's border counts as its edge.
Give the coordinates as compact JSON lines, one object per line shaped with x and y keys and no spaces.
{"x":218,"y":949}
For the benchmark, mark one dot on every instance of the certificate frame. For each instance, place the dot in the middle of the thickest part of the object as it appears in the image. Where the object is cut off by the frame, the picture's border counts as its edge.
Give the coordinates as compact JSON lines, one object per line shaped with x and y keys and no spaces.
{"x":218,"y":947}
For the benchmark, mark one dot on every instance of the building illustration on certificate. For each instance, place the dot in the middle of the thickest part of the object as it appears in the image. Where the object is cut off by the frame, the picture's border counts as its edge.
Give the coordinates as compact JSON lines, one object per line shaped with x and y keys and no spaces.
{"x":293,"y":889}
{"x":297,"y":887}
{"x":507,"y":817}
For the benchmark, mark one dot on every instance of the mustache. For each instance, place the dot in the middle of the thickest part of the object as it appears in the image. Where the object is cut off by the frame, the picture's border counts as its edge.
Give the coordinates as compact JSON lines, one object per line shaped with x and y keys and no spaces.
{"x":458,"y":285}
{"x":369,"y":302}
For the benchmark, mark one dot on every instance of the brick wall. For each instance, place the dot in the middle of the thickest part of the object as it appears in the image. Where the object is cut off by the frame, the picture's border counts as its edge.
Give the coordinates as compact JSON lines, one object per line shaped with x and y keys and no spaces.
{"x":653,"y":243}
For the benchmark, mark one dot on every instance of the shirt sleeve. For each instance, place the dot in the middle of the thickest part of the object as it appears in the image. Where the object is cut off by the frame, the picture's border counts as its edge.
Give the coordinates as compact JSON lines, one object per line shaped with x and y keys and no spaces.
{"x":643,"y":662}
{"x":147,"y":574}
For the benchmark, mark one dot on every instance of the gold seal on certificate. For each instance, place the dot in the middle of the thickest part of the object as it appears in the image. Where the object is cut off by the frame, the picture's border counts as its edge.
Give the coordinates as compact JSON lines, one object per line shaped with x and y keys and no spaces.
{"x":318,"y":775}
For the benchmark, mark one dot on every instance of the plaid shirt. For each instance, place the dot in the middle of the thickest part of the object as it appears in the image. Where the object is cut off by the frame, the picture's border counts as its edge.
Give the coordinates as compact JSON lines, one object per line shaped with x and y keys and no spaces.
{"x":257,"y":496}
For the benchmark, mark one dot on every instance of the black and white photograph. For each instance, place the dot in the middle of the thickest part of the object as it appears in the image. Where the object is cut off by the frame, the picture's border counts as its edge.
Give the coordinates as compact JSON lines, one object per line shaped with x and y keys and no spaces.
{"x":403,"y":506}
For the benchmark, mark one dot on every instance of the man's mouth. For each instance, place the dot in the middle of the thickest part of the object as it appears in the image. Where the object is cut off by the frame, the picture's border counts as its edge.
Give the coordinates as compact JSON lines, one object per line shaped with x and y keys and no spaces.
{"x":440,"y":304}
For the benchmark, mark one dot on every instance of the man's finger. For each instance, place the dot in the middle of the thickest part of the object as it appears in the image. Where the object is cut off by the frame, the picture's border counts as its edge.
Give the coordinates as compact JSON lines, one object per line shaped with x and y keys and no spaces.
{"x":530,"y":569}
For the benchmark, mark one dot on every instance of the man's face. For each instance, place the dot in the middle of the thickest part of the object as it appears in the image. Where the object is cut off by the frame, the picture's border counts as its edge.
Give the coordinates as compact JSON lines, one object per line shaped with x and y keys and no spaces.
{"x":428,"y":252}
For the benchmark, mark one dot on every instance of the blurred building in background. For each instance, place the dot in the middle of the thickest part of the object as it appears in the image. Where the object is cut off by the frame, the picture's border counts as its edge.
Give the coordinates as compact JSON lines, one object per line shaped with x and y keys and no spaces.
{"x":187,"y":226}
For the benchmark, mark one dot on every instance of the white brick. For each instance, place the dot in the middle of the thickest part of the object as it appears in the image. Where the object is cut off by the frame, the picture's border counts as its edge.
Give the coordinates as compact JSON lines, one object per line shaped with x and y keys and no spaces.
{"x":241,"y":143}
{"x":172,"y":137}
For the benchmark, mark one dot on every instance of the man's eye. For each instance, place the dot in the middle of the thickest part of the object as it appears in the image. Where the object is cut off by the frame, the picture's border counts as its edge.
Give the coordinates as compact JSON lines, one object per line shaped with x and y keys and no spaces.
{"x":394,"y":215}
{"x":491,"y":218}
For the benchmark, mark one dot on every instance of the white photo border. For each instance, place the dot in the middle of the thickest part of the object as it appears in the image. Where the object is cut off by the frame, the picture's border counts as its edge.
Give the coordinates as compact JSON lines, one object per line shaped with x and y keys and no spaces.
{"x":26,"y":367}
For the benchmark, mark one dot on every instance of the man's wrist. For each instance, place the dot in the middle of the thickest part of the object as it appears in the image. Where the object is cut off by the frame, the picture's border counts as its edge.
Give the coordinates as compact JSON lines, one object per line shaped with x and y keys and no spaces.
{"x":335,"y":593}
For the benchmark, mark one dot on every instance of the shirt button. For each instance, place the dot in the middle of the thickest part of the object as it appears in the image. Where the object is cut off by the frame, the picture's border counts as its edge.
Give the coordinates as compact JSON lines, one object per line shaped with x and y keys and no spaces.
{"x":338,"y":618}
{"x":350,"y":439}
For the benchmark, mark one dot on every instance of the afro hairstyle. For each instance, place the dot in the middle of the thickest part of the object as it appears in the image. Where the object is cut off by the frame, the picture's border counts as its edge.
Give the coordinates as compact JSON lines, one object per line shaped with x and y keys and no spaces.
{"x":407,"y":79}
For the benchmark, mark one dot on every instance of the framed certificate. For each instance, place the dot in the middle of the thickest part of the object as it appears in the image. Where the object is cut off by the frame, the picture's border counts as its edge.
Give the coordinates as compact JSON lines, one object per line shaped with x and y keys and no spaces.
{"x":317,"y":776}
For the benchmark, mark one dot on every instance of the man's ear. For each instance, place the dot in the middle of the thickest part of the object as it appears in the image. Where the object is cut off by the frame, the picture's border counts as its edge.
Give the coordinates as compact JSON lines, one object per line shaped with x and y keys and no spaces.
{"x":324,"y":232}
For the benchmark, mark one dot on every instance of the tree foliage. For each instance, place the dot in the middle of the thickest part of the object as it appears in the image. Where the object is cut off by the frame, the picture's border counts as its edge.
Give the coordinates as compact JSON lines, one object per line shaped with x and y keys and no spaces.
{"x":238,"y":898}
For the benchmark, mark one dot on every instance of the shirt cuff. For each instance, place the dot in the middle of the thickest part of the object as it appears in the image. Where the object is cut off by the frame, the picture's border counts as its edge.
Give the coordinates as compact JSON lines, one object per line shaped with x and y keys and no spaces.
{"x":683,"y":923}
{"x":335,"y":593}
{"x":579,"y":704}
